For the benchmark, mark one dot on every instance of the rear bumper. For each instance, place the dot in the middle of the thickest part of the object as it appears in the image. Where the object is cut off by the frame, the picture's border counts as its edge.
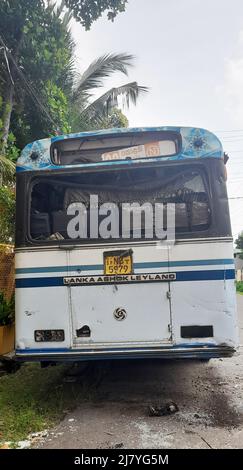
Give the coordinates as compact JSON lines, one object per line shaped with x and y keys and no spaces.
{"x":172,"y":352}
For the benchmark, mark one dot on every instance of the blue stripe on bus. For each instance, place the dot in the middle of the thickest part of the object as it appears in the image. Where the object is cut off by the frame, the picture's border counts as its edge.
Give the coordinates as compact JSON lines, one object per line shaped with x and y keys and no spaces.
{"x":98,"y":267}
{"x":64,"y":350}
{"x":209,"y":275}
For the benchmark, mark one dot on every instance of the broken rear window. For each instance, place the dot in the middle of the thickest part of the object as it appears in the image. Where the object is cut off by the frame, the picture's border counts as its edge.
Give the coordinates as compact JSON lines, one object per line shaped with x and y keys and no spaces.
{"x":52,"y":196}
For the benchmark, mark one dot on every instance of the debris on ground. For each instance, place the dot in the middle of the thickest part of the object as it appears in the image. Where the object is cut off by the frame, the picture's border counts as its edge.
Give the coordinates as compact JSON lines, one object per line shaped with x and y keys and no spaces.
{"x":163,"y":410}
{"x":27,"y":443}
{"x":15,"y":445}
{"x":40,"y":434}
{"x":4,"y":445}
{"x":118,"y":446}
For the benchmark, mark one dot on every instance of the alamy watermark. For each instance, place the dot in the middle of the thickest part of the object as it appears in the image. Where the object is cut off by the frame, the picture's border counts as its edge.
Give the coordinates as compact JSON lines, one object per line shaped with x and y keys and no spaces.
{"x":125,"y":220}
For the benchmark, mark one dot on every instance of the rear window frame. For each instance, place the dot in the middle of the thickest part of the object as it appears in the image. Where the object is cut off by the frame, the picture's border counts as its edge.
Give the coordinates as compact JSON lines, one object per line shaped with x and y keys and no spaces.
{"x":168,"y":135}
{"x":83,"y":242}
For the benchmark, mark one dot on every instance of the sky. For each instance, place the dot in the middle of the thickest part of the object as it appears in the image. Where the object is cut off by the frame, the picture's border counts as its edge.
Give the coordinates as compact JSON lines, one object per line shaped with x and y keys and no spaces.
{"x":190,"y":55}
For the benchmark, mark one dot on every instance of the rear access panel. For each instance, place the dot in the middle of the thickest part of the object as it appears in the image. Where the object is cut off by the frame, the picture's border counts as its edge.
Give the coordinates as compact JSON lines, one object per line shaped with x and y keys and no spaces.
{"x":120,"y":313}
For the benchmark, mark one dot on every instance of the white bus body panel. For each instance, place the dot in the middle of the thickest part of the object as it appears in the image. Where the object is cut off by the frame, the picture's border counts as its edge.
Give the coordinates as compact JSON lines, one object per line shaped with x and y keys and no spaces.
{"x":155,"y":312}
{"x":146,"y":308}
{"x":205,"y":302}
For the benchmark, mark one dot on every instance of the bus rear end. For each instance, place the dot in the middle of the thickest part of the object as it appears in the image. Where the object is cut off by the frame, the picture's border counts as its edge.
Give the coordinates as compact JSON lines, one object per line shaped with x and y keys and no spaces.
{"x":124,"y":247}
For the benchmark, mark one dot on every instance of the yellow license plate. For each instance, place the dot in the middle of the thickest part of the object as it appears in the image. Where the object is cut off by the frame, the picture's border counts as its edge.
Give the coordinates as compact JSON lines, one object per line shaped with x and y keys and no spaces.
{"x":118,"y":264}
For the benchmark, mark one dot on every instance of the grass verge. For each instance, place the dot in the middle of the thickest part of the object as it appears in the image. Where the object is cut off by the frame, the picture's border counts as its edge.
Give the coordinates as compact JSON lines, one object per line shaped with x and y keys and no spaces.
{"x":34,"y":399}
{"x":239,"y":287}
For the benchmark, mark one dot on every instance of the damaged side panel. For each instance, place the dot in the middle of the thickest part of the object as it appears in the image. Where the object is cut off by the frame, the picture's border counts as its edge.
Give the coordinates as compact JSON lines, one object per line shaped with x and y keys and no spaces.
{"x":210,"y":303}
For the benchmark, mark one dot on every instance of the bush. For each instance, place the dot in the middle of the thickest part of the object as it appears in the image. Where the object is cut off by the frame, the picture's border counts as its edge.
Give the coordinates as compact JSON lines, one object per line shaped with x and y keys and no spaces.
{"x":6,"y":310}
{"x":239,"y":286}
{"x":7,"y":214}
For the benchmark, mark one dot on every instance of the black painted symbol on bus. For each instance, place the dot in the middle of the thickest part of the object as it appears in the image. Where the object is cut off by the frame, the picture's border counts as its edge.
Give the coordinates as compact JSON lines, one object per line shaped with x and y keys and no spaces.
{"x":120,"y":314}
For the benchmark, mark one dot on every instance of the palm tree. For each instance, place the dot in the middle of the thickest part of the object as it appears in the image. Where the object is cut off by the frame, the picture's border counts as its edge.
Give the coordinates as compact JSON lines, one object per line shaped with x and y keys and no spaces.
{"x":85,"y":111}
{"x":7,"y":170}
{"x":93,"y":111}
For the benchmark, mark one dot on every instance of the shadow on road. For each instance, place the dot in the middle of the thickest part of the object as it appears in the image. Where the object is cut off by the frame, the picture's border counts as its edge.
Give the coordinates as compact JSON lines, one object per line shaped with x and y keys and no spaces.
{"x":202,"y":394}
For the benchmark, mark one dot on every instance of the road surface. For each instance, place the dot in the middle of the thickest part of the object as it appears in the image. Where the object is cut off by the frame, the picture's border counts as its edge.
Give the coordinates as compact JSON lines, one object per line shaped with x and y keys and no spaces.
{"x":209,"y":397}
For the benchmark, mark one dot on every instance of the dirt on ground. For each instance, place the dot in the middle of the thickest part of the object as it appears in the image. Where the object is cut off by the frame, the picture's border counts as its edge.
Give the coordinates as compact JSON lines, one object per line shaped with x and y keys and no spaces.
{"x":209,"y":397}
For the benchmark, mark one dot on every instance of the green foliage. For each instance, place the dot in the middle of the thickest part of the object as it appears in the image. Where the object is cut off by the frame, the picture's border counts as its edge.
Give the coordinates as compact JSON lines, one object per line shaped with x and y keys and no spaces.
{"x":239,"y":244}
{"x":34,"y":399}
{"x":56,"y":97}
{"x":7,"y":214}
{"x":86,"y":11}
{"x":6,"y":310}
{"x":38,"y":37}
{"x":239,"y":287}
{"x":7,"y":170}
{"x":12,"y":151}
{"x":115,"y":118}
{"x":7,"y":165}
{"x":57,"y":105}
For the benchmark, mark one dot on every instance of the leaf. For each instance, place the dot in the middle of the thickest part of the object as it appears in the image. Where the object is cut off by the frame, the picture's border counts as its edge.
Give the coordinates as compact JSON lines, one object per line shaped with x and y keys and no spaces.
{"x":87,"y":11}
{"x":109,"y":100}
{"x":99,"y":69}
{"x":7,"y":167}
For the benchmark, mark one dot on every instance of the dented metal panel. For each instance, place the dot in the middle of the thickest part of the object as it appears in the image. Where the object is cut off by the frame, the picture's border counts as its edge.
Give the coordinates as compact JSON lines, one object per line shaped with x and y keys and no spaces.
{"x":202,"y":293}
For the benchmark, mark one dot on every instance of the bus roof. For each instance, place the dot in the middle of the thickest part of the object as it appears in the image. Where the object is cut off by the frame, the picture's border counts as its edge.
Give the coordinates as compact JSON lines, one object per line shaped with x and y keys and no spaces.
{"x":195,"y":143}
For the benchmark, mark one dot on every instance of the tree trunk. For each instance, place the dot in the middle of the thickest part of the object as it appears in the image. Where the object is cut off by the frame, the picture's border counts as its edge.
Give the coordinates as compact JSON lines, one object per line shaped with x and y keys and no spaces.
{"x":9,"y":94}
{"x":6,"y":118}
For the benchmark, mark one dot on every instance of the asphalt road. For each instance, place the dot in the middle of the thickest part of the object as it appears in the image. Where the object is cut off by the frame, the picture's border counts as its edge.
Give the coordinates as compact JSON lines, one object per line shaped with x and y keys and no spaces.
{"x":209,"y":397}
